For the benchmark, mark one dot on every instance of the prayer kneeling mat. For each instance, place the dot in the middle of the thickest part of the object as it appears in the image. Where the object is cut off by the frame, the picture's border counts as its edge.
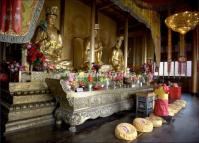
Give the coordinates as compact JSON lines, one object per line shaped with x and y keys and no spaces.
{"x":183,"y":103}
{"x":171,"y":111}
{"x":143,"y":125}
{"x":175,"y":108}
{"x":157,"y":117}
{"x":126,"y":131}
{"x":156,"y":122}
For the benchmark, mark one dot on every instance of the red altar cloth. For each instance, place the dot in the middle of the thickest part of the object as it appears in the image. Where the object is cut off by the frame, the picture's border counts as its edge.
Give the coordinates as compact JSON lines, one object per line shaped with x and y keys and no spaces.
{"x":174,"y":93}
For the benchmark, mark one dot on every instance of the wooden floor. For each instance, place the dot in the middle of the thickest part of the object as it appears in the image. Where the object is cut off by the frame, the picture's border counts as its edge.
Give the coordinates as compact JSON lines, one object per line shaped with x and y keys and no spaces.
{"x":185,"y":128}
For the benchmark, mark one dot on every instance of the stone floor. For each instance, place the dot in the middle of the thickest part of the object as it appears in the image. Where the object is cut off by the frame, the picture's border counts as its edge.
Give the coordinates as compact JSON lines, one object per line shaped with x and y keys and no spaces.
{"x":185,"y":128}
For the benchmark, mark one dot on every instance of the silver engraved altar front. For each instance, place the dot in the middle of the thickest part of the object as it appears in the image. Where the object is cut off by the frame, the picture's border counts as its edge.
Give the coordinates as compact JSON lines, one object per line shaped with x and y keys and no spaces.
{"x":77,"y":107}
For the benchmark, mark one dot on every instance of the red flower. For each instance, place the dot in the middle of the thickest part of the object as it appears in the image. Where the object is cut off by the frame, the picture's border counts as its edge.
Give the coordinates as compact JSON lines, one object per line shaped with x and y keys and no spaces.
{"x":90,"y":78}
{"x":34,"y":54}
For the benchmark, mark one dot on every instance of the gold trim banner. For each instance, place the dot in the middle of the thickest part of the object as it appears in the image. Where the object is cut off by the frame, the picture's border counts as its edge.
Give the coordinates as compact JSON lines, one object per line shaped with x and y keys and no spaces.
{"x":28,"y":15}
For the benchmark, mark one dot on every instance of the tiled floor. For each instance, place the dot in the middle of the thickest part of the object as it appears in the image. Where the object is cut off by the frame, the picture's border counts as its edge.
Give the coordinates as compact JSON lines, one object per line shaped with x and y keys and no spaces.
{"x":185,"y":128}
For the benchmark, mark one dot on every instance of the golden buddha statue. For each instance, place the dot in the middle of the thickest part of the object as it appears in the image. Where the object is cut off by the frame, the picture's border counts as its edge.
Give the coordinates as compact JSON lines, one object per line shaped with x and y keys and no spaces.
{"x":117,"y":58}
{"x":50,"y":41}
{"x":98,"y":48}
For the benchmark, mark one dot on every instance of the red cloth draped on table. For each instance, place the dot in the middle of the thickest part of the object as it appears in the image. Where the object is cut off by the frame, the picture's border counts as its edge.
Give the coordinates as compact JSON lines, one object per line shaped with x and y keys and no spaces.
{"x":11,"y":8}
{"x":161,"y":103}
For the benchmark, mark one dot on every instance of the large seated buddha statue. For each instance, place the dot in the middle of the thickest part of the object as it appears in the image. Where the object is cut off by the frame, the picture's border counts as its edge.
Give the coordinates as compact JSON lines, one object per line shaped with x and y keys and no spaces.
{"x":49,"y":39}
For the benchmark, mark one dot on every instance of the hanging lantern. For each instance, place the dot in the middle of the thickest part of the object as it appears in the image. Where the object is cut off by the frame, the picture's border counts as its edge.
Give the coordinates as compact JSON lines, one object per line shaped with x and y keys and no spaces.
{"x":182,"y":23}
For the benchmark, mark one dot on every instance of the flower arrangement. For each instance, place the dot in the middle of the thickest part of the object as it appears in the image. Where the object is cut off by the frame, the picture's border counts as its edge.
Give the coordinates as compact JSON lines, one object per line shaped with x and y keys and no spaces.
{"x":35,"y":57}
{"x":14,"y":67}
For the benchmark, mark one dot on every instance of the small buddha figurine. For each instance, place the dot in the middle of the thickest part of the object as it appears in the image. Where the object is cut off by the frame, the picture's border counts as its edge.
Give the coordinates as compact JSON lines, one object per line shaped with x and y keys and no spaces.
{"x":50,"y":40}
{"x":98,"y":48}
{"x":117,"y":58}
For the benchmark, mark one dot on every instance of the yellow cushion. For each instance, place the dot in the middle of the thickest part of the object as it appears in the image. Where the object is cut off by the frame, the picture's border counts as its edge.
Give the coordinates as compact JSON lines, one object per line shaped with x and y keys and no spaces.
{"x":171,"y":111}
{"x":156,"y":121}
{"x":143,"y":125}
{"x":125,"y":131}
{"x":157,"y":117}
{"x":181,"y":103}
{"x":175,"y":107}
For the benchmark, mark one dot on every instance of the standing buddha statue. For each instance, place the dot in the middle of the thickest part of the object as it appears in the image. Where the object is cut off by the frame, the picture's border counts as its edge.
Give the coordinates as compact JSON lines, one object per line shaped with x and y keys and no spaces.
{"x":98,"y":48}
{"x":117,"y":58}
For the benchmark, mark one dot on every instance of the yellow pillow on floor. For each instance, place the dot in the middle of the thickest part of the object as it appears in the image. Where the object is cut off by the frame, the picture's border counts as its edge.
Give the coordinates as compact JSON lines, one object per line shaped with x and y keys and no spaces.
{"x":157,"y":117}
{"x":171,"y":111}
{"x":143,"y":125}
{"x":125,"y":131}
{"x":175,"y":107}
{"x":156,"y":121}
{"x":181,"y":103}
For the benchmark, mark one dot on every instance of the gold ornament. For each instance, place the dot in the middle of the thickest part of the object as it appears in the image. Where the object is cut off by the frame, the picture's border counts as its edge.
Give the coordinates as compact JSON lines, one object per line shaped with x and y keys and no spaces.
{"x":52,"y":10}
{"x":183,"y":22}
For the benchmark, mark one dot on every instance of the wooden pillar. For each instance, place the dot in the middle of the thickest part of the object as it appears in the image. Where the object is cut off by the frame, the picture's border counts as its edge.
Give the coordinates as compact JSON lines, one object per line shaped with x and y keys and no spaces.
{"x":195,"y":56}
{"x":23,"y":56}
{"x":169,"y":52}
{"x":144,"y":50}
{"x":169,"y":44}
{"x":134,"y":51}
{"x":126,"y":45}
{"x":92,"y":49}
{"x":182,"y":45}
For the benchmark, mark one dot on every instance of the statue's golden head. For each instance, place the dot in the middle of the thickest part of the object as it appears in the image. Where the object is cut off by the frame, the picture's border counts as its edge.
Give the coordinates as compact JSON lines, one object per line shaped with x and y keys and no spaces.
{"x":119,"y":41}
{"x":51,"y":15}
{"x":52,"y":10}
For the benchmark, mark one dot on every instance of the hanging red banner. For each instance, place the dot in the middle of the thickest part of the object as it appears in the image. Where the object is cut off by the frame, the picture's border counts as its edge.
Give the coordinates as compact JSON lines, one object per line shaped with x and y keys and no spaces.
{"x":17,"y":15}
{"x":3,"y":15}
{"x":8,"y":15}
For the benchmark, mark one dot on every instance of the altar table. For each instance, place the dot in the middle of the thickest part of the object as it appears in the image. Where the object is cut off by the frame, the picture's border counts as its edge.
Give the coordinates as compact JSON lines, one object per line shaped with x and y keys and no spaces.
{"x":77,"y":107}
